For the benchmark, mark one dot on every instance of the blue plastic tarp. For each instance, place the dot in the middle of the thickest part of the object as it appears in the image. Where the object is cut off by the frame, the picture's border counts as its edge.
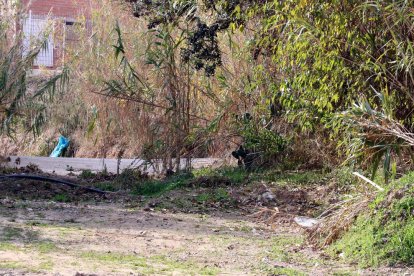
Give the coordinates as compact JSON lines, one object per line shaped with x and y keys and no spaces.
{"x":61,"y":146}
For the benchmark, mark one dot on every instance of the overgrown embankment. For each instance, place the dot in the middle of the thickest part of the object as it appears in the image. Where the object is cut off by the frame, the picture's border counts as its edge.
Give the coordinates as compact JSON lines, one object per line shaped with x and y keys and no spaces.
{"x":384,"y":233}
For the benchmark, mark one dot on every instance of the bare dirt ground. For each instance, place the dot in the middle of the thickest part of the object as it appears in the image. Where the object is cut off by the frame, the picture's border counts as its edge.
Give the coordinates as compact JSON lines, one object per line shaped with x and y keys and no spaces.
{"x":112,"y":236}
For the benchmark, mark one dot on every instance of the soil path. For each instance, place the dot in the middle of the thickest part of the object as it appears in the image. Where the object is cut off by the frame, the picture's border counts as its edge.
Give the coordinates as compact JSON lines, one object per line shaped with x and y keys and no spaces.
{"x":48,"y":238}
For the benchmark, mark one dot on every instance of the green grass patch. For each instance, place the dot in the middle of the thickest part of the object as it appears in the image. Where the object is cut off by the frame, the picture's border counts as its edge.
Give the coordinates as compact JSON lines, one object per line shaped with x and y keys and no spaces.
{"x":43,"y":266}
{"x":106,"y":186}
{"x":46,"y":265}
{"x":286,"y":271}
{"x":280,"y":246}
{"x":204,"y":197}
{"x":234,"y":175}
{"x":7,"y":246}
{"x":45,"y":247}
{"x":115,"y":257}
{"x":288,"y":178}
{"x":36,"y":223}
{"x":189,"y":267}
{"x":155,"y":187}
{"x":154,"y":264}
{"x":10,"y":233}
{"x":384,"y":234}
{"x":87,"y":174}
{"x":12,"y":265}
{"x":61,"y":198}
{"x":219,"y":194}
{"x":205,"y":177}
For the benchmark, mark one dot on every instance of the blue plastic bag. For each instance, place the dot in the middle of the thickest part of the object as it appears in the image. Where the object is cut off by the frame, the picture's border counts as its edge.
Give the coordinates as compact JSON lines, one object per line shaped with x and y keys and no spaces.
{"x":61,"y":146}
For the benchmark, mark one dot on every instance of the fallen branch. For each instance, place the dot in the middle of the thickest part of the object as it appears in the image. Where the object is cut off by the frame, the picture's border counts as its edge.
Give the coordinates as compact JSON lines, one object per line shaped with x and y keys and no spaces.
{"x":368,"y":181}
{"x":53,"y":180}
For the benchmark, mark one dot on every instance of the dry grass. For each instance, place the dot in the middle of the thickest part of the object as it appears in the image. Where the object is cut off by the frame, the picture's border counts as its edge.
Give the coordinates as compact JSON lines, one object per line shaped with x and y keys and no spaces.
{"x":272,"y":217}
{"x":337,"y":219}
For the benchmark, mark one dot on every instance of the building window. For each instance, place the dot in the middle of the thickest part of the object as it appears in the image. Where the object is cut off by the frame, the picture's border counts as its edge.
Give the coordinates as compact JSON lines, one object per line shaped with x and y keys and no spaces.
{"x":34,"y":27}
{"x":71,"y":31}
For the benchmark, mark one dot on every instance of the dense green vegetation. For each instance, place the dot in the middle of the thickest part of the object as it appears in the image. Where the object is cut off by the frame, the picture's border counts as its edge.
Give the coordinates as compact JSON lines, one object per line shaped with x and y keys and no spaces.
{"x":312,"y":61}
{"x":385,"y":233}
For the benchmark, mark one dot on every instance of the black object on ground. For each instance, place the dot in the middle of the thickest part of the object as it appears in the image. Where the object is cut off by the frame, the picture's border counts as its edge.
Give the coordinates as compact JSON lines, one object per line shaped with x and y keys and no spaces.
{"x":244,"y":158}
{"x":53,"y":180}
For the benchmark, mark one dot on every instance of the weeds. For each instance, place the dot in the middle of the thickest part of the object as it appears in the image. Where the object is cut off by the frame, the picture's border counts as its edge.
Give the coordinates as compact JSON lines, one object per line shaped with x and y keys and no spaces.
{"x":114,"y":257}
{"x":7,"y":246}
{"x":218,"y":195}
{"x":106,"y":186}
{"x":10,"y":233}
{"x":61,"y":198}
{"x":384,"y":230}
{"x":162,"y":262}
{"x":45,"y":247}
{"x":157,"y":187}
{"x":87,"y":174}
{"x":228,"y":174}
{"x":198,"y":178}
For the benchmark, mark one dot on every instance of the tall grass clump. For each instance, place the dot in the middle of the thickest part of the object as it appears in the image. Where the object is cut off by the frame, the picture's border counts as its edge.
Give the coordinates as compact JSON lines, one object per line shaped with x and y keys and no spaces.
{"x":23,"y":98}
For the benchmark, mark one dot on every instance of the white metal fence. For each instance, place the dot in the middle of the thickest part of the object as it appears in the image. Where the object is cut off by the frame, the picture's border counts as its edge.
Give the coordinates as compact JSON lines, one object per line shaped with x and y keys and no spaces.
{"x":59,"y":30}
{"x":35,"y":27}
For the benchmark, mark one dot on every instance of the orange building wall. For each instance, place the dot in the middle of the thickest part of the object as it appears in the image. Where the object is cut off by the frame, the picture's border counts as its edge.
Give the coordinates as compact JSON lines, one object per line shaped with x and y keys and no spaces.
{"x":61,"y":8}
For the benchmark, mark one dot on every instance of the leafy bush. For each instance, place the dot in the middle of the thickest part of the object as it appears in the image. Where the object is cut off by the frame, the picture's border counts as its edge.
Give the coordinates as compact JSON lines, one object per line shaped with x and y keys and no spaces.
{"x":374,"y":136}
{"x":263,"y":140}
